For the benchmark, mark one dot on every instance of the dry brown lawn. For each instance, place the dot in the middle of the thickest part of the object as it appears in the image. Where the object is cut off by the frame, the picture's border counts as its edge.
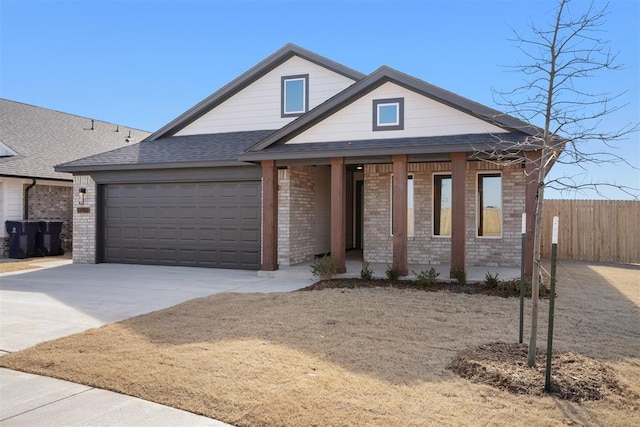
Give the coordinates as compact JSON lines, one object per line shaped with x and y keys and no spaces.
{"x":17,"y":265}
{"x":355,"y":356}
{"x":28,"y":263}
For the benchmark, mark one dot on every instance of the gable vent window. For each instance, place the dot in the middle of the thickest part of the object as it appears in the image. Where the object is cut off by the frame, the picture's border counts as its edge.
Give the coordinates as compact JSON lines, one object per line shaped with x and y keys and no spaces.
{"x":388,"y":114}
{"x":294,"y":94}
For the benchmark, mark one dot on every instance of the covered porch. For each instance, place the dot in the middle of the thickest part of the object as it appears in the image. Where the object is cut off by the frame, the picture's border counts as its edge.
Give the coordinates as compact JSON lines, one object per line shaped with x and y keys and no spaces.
{"x":354,"y":195}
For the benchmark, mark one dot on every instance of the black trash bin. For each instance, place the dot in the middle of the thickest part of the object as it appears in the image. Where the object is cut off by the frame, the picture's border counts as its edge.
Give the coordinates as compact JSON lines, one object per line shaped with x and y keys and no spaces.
{"x":22,"y":238}
{"x":48,"y":239}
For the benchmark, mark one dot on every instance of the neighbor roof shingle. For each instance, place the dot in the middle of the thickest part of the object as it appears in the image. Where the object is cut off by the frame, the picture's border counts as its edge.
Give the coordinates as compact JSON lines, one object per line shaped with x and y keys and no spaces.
{"x":43,"y":138}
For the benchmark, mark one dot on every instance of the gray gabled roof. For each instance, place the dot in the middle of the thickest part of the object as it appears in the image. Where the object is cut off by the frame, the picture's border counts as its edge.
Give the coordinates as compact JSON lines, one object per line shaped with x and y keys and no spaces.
{"x":245,"y":79}
{"x":207,"y":150}
{"x":377,"y":78}
{"x":42,"y":138}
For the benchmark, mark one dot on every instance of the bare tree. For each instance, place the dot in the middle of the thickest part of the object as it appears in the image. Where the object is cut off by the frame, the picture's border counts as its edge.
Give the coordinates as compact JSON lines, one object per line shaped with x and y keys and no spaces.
{"x":559,"y":56}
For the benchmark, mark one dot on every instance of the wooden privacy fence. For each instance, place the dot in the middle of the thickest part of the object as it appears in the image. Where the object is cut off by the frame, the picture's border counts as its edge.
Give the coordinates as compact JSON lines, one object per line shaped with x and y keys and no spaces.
{"x":593,"y":230}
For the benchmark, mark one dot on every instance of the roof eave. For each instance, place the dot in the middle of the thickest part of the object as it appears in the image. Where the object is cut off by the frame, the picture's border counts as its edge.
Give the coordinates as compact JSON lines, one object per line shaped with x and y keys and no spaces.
{"x":80,"y":169}
{"x":42,"y":178}
{"x":378,"y":151}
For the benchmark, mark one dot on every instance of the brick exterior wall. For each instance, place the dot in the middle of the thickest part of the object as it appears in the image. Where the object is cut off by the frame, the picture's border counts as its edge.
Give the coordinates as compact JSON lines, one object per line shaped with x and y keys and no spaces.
{"x":423,"y":246}
{"x":504,"y":250}
{"x":296,"y":214}
{"x":377,"y":240}
{"x":55,"y":203}
{"x":84,"y":223}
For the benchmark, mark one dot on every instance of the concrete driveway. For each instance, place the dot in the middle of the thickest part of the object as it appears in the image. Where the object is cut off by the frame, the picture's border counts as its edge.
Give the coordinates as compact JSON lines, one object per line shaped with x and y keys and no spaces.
{"x":41,"y":305}
{"x":50,"y":303}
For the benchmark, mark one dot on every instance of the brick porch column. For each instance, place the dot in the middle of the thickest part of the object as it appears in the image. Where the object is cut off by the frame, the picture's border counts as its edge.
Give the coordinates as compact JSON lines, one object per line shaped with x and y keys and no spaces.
{"x":458,"y":214}
{"x":269,"y":215}
{"x":399,"y":208}
{"x":338,"y":213}
{"x":532,"y":168}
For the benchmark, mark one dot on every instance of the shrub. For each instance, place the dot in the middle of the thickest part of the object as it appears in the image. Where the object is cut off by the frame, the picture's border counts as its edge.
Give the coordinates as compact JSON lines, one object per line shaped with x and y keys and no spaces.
{"x":491,"y":279}
{"x":513,"y":285}
{"x":324,"y":267}
{"x":459,"y":273}
{"x":392,"y":272}
{"x":427,"y":278}
{"x":366,"y":272}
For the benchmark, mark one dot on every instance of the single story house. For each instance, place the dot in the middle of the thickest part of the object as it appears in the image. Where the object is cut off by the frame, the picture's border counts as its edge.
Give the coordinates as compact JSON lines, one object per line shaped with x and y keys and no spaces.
{"x":32,"y":141}
{"x":301,"y":156}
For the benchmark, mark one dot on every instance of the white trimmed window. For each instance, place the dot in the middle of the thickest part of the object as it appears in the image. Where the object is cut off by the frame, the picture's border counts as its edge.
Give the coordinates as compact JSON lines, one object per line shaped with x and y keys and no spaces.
{"x":410,"y":207}
{"x":489,"y":205}
{"x":442,"y":205}
{"x":294,"y":95}
{"x":388,"y":114}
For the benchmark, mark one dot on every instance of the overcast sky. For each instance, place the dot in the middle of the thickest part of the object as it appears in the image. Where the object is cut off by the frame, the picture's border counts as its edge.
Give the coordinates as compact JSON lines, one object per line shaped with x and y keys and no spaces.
{"x":142,"y":63}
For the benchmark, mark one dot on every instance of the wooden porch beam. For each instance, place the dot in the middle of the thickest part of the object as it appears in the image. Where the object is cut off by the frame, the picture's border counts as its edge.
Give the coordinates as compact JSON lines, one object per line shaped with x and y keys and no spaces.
{"x":399,"y":209}
{"x":458,"y":214}
{"x":338,"y":213}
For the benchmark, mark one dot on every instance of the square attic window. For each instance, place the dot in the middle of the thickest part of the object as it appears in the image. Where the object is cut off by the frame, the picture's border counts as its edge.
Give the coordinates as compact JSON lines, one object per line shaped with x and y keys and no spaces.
{"x":388,"y":114}
{"x":294,"y":94}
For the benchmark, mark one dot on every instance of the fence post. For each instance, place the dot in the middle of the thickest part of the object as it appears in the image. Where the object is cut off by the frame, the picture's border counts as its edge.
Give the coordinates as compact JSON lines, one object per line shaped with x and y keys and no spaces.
{"x":554,"y":259}
{"x":522,"y":260}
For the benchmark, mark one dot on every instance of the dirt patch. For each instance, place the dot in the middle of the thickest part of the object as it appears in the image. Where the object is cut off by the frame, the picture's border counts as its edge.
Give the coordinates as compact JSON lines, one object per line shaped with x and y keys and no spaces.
{"x":573,"y":377}
{"x":505,"y":289}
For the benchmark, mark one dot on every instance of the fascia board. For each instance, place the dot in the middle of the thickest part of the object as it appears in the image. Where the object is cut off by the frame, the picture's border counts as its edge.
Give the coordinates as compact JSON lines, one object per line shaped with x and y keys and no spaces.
{"x":147,"y":166}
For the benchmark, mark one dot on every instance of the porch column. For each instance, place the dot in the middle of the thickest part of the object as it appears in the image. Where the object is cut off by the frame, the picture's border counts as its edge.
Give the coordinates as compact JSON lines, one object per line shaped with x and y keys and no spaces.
{"x":269,"y":215}
{"x":458,"y":214}
{"x":399,"y":209}
{"x":338,"y":213}
{"x":532,"y":169}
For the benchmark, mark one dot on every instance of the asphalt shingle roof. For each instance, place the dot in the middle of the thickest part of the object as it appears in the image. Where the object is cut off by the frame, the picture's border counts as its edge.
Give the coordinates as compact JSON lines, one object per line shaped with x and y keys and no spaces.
{"x":43,"y":138}
{"x":220,"y":149}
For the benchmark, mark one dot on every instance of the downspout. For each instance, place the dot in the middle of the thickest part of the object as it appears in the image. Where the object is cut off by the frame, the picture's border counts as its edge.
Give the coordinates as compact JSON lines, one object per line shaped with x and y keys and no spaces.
{"x":26,"y":198}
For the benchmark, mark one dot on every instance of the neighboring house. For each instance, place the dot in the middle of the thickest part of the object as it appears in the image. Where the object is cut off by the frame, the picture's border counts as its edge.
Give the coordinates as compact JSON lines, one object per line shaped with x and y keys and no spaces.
{"x":32,"y":141}
{"x":299,"y":157}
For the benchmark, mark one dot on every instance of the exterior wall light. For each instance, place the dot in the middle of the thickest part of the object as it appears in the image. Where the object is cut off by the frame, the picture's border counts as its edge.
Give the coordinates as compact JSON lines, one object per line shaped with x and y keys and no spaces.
{"x":81,"y":192}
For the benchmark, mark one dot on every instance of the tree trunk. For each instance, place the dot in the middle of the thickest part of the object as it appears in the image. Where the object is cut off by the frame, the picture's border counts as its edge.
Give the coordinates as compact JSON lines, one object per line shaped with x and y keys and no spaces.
{"x":535,"y":276}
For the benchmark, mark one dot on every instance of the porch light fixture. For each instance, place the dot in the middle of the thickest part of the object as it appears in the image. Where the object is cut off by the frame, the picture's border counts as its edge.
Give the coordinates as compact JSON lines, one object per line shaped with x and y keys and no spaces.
{"x":359,"y":167}
{"x":81,"y":192}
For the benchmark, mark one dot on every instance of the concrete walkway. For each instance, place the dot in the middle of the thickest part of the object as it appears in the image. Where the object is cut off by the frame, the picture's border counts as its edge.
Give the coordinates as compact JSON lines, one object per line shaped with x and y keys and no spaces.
{"x":64,"y":299}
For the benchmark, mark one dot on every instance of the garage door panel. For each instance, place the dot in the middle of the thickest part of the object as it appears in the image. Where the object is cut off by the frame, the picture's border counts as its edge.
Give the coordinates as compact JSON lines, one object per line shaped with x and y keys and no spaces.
{"x":212,"y":224}
{"x":249,"y":213}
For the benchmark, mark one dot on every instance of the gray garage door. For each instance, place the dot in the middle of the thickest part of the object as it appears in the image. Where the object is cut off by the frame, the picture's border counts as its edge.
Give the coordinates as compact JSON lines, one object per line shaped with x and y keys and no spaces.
{"x":206,"y":224}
